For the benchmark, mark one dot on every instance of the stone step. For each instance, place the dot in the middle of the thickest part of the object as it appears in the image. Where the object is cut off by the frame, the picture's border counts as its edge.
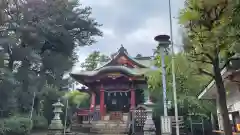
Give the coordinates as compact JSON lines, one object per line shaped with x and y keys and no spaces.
{"x":109,"y":124}
{"x":97,"y":134}
{"x":109,"y":121}
{"x":109,"y":127}
{"x":108,"y":131}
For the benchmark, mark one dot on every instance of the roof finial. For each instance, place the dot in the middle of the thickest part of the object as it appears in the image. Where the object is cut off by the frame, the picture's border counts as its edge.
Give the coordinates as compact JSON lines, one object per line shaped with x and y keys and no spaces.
{"x":122,"y":49}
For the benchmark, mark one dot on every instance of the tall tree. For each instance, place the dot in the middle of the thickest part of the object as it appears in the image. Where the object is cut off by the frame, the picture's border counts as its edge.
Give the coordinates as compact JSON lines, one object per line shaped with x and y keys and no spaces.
{"x":207,"y":24}
{"x":93,"y":60}
{"x":40,"y":41}
{"x":189,"y":84}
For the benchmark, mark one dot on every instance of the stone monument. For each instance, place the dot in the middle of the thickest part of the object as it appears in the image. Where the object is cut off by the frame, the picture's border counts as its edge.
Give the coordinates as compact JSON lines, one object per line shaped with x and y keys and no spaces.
{"x":149,"y":126}
{"x":56,"y":126}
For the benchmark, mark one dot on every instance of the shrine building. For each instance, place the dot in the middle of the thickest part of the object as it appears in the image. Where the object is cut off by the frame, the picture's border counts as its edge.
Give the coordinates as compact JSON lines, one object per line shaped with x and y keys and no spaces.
{"x":231,"y":78}
{"x":118,"y":85}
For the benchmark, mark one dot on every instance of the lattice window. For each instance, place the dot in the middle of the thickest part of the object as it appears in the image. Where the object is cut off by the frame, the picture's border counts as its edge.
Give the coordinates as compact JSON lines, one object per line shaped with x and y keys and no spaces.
{"x":140,"y":116}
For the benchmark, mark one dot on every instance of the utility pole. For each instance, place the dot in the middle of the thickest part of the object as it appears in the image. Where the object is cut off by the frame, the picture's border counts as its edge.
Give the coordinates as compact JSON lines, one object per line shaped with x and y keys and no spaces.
{"x":173,"y":70}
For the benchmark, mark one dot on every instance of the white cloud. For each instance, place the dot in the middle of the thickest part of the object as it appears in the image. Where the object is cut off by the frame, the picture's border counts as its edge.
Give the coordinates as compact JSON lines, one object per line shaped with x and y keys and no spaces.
{"x":108,"y":32}
{"x":151,"y":28}
{"x":133,"y":23}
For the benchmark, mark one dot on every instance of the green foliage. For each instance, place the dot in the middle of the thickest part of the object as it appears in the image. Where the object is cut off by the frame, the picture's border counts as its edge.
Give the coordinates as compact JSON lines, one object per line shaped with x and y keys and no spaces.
{"x":93,"y":60}
{"x":39,"y":122}
{"x":16,"y":126}
{"x":3,"y":128}
{"x":38,"y":46}
{"x":50,"y":96}
{"x":189,"y":84}
{"x":207,"y":32}
{"x":234,"y":27}
{"x":76,"y":98}
{"x":212,"y":30}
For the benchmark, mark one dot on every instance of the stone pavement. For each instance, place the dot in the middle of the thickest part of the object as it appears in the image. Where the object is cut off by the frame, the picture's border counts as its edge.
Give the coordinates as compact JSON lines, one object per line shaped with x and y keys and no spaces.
{"x":44,"y":133}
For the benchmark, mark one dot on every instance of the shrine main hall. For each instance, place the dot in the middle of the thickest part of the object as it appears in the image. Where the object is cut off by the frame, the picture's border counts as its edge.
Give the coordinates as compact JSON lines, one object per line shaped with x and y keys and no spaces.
{"x":118,"y":85}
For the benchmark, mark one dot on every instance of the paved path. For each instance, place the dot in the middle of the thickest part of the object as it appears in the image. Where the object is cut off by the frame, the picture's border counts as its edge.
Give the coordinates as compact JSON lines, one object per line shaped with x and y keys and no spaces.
{"x":44,"y":133}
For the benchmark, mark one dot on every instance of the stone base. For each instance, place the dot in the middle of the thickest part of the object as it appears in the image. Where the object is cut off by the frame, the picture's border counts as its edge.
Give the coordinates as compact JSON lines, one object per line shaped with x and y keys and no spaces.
{"x":57,"y":132}
{"x":149,"y":133}
{"x":54,"y":132}
{"x":56,"y":125}
{"x":149,"y":125}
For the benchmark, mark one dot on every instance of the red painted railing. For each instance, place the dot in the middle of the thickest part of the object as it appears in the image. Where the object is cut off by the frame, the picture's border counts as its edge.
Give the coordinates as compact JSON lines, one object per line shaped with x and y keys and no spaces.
{"x":83,"y":112}
{"x":89,"y":115}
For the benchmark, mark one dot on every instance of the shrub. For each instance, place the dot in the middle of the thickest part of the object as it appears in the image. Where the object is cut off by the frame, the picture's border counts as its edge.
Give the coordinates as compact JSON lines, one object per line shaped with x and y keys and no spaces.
{"x":3,"y":129}
{"x":39,"y":122}
{"x":17,"y":125}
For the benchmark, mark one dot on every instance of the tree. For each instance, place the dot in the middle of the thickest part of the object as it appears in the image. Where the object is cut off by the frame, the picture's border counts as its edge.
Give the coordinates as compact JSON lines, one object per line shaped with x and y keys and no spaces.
{"x":39,"y":42}
{"x":76,"y":98}
{"x":207,"y":25}
{"x":104,"y":58}
{"x":189,"y":84}
{"x":93,"y":60}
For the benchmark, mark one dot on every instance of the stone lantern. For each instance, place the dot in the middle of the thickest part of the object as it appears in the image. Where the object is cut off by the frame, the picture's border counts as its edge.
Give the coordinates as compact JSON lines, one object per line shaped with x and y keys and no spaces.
{"x":56,"y":123}
{"x":149,"y":126}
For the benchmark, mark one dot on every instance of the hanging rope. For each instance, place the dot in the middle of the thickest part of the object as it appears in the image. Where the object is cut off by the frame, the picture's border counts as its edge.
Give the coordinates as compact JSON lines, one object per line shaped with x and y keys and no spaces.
{"x":110,"y":91}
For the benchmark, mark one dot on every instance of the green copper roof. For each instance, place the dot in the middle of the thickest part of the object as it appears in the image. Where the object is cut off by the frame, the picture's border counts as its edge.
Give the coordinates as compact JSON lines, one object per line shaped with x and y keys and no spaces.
{"x":144,"y":66}
{"x":110,"y":69}
{"x":147,"y":63}
{"x":143,"y":62}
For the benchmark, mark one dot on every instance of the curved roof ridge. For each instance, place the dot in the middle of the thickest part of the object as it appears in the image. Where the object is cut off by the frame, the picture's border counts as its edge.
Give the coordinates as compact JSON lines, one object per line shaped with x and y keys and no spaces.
{"x":115,"y":69}
{"x":123,"y":51}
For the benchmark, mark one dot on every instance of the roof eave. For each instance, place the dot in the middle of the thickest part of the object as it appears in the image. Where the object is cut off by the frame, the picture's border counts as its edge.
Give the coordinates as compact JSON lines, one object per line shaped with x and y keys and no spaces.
{"x":210,"y":85}
{"x":116,"y":56}
{"x":123,"y":69}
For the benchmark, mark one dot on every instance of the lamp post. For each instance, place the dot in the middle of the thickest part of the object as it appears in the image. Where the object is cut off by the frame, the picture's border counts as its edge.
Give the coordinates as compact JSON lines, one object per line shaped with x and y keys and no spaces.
{"x":163,"y":43}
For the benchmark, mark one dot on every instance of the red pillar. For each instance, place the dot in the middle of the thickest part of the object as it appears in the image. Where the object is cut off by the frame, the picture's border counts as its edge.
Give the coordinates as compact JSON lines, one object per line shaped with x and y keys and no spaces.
{"x":133,"y":99}
{"x":93,"y":101}
{"x":102,"y":108}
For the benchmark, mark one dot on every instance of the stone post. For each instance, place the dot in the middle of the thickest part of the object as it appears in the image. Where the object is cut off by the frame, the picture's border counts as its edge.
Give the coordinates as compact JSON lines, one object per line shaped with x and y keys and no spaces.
{"x":56,"y":126}
{"x":149,"y":126}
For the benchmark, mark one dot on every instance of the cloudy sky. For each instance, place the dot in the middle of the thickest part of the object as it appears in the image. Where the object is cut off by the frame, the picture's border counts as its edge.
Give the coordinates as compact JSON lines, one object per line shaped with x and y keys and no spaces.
{"x":133,"y":23}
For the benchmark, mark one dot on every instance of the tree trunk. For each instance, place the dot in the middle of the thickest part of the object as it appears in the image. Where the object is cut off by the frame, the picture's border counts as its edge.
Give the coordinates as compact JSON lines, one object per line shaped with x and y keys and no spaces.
{"x":221,"y":99}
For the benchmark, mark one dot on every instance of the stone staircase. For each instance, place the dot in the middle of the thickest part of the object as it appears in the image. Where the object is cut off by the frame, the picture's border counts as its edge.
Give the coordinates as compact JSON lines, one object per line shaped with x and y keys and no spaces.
{"x":111,"y":127}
